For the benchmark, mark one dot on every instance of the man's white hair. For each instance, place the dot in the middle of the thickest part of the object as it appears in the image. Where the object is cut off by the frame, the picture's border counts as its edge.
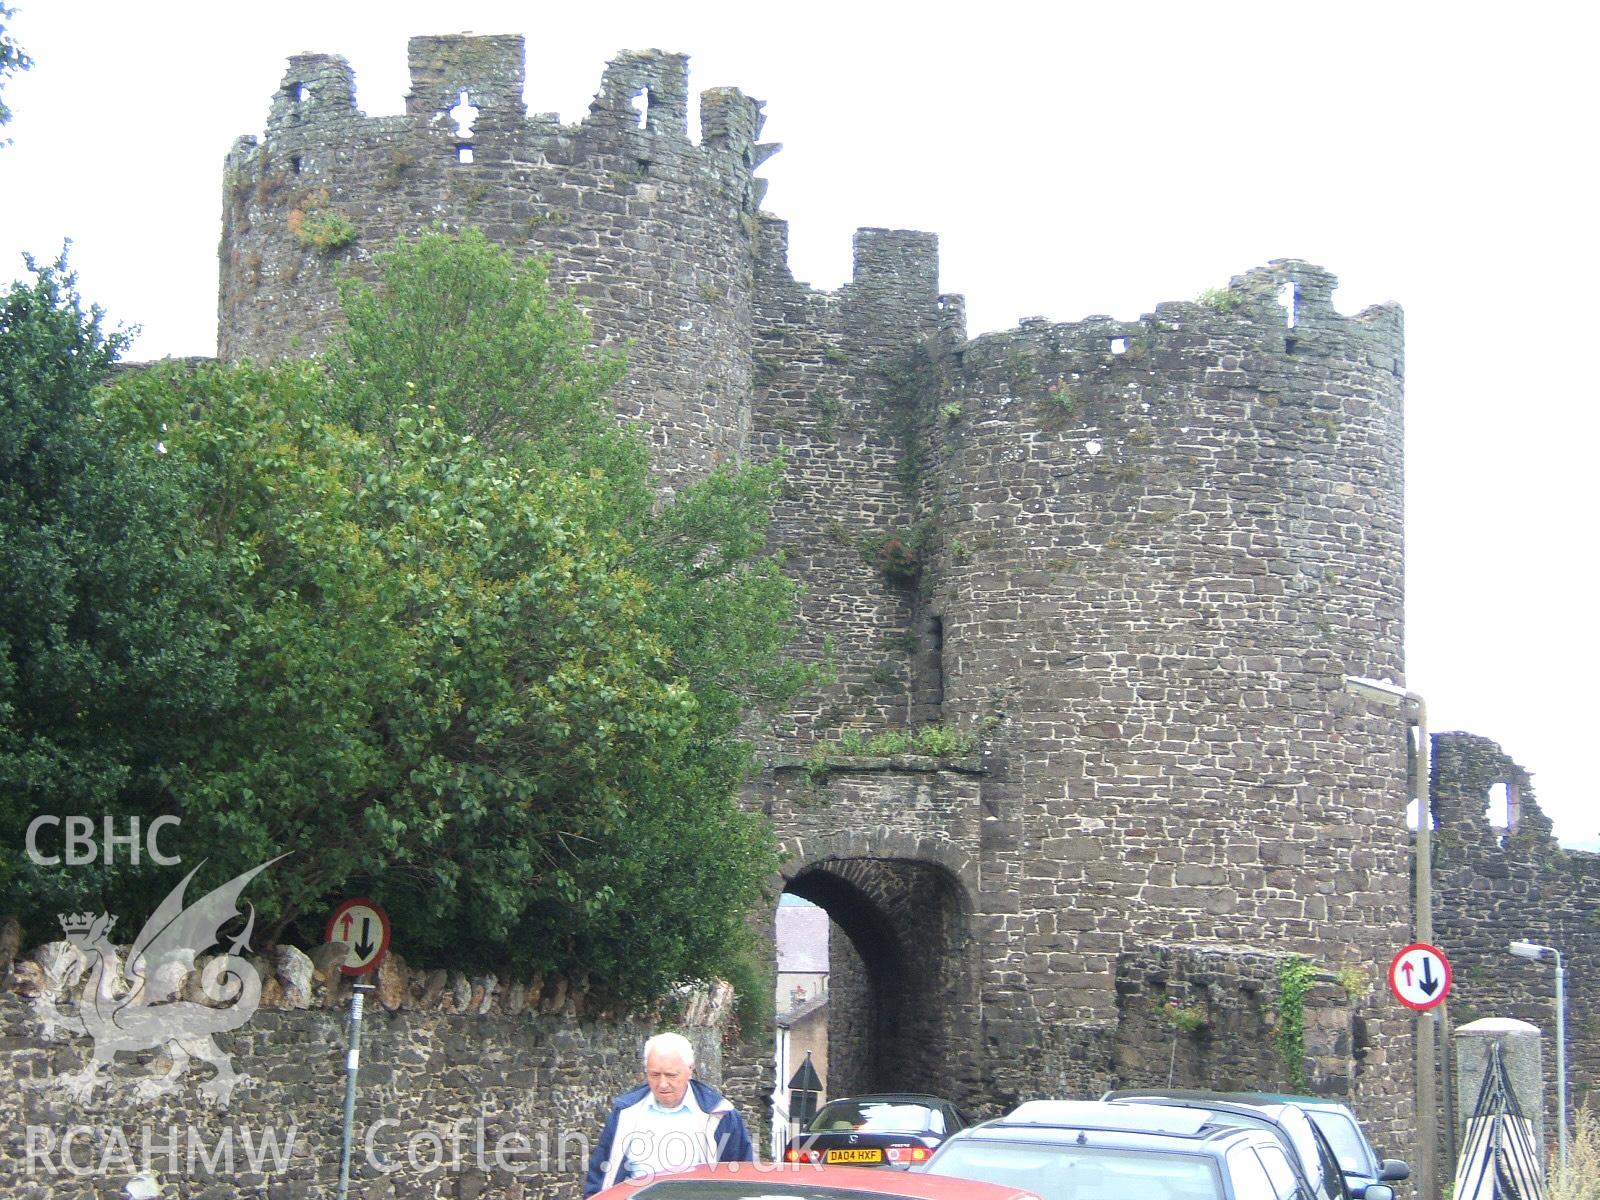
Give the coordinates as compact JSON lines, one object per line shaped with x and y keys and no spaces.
{"x":670,"y":1043}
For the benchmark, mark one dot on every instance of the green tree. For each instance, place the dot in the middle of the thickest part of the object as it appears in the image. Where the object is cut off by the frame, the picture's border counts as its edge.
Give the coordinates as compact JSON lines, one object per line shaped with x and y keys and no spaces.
{"x":108,"y":662}
{"x":445,"y":676}
{"x":12,"y":60}
{"x":480,"y":675}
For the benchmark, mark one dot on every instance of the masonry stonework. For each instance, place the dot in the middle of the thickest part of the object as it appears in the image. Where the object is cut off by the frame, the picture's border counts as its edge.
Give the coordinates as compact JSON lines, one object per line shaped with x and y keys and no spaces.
{"x":1504,"y":880}
{"x":468,"y":1087}
{"x":1133,"y":561}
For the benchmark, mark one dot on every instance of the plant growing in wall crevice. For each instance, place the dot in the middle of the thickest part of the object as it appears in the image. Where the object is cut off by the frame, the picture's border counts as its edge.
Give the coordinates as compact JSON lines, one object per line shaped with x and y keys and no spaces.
{"x":916,"y":384}
{"x":1295,"y":977}
{"x":896,"y":560}
{"x":1058,"y":404}
{"x":932,"y":741}
{"x":1354,"y":982}
{"x":314,"y":223}
{"x":899,"y":556}
{"x":1185,"y":1018}
{"x":1220,"y":299}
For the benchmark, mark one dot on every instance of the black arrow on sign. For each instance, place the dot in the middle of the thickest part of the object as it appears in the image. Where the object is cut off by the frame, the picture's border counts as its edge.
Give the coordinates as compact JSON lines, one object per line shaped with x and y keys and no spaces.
{"x":1427,"y":983}
{"x":365,"y":947}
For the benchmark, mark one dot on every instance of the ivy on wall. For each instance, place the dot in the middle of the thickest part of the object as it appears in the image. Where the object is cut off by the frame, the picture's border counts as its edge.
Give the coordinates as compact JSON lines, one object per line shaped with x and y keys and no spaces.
{"x":1295,"y":977}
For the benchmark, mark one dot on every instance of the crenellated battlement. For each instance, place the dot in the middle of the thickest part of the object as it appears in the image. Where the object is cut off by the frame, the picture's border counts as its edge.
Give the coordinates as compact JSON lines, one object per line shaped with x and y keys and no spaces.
{"x":467,"y":93}
{"x":491,"y":71}
{"x":654,"y":232}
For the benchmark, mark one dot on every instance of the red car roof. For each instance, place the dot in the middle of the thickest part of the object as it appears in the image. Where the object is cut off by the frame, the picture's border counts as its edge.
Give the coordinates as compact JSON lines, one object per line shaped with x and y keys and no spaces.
{"x":768,"y":1180}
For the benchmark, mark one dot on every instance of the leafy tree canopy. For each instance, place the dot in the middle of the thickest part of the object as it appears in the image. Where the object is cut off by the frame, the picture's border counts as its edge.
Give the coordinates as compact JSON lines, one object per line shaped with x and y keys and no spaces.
{"x":477,"y":673}
{"x":12,"y":60}
{"x":109,"y":657}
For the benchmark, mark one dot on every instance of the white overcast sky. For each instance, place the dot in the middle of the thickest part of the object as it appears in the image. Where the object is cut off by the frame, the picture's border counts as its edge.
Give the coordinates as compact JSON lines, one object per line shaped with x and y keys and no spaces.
{"x":1074,"y":158}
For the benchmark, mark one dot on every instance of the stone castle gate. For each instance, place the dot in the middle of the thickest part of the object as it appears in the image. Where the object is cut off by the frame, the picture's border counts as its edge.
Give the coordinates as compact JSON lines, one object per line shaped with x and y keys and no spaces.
{"x":1132,"y":561}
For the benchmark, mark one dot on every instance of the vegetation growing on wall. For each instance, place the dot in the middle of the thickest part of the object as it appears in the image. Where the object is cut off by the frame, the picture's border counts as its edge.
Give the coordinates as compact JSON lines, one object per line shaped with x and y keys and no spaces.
{"x":1295,"y":977}
{"x":934,"y":741}
{"x":1186,"y":1018}
{"x":912,"y":383}
{"x":929,"y":741}
{"x":315,"y":223}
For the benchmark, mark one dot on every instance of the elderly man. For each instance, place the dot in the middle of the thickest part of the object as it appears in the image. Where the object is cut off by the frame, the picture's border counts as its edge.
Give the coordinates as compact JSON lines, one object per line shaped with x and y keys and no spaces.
{"x":672,"y":1123}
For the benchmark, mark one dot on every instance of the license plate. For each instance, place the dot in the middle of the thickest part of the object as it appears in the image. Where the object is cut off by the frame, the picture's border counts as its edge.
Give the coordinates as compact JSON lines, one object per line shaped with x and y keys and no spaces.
{"x":853,"y":1156}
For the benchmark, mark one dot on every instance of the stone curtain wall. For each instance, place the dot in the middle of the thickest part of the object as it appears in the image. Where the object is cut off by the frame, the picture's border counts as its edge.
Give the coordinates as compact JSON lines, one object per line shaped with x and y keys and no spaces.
{"x":1495,"y":886}
{"x":466,"y":1088}
{"x":1210,"y":1018}
{"x":836,"y":401}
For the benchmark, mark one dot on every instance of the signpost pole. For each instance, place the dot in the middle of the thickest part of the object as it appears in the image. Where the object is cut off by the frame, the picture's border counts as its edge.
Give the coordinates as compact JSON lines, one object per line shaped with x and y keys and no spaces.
{"x":352,"y":1066}
{"x":1419,"y":748}
{"x":363,"y":953}
{"x":1419,"y":977}
{"x":1427,"y":1024}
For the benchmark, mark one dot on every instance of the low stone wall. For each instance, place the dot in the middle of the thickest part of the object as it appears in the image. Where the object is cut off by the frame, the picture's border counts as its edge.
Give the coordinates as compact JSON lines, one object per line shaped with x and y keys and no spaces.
{"x":465,"y":1086}
{"x":1208,"y":1017}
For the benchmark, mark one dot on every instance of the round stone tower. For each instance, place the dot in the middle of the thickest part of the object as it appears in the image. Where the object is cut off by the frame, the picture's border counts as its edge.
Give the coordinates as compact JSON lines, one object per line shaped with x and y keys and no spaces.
{"x":652,"y":232}
{"x":1161,"y":547}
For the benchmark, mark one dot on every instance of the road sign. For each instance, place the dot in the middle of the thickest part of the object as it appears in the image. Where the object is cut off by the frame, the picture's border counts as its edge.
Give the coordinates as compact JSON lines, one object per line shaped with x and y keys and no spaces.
{"x":364,"y":929}
{"x":1419,"y":976}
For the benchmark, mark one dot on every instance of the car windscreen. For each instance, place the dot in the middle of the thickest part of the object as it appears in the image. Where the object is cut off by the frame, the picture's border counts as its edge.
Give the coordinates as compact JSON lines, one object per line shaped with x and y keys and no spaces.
{"x":868,"y":1116}
{"x":1070,"y":1172}
{"x":1348,"y":1144}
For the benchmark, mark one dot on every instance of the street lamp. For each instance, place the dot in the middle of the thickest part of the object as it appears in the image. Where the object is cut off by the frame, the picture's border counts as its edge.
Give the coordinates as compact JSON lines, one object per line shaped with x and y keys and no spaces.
{"x":1393,"y":695}
{"x":1534,"y":952}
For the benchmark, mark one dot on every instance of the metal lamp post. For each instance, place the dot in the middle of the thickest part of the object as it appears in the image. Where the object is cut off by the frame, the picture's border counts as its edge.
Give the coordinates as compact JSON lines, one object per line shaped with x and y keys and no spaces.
{"x":1534,"y":952}
{"x":1382,"y":691}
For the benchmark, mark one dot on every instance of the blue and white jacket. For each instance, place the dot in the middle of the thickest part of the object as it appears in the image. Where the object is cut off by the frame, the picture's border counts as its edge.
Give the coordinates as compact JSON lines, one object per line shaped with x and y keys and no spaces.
{"x":727,"y":1139}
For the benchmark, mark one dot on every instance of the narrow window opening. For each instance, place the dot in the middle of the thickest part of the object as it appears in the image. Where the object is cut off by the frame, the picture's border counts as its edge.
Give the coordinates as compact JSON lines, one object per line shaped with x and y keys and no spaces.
{"x":1501,"y":810}
{"x":1289,"y":297}
{"x":1288,"y":345}
{"x":464,"y":113}
{"x":464,"y":152}
{"x":1119,"y":345}
{"x":294,"y":164}
{"x":297,"y":92}
{"x":936,"y":659}
{"x":641,"y":105}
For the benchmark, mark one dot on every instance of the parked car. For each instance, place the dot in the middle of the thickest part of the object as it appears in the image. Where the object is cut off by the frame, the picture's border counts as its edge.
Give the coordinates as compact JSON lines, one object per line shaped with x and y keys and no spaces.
{"x":1295,"y":1125}
{"x":1307,"y":1149}
{"x":1357,"y":1159}
{"x":1096,"y":1150}
{"x":892,"y":1129}
{"x":803,"y":1181}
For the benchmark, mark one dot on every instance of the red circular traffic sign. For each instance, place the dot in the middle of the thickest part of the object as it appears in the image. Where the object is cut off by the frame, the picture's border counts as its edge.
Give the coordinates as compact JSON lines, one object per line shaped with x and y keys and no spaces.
{"x":364,"y":929}
{"x":1419,"y":976}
